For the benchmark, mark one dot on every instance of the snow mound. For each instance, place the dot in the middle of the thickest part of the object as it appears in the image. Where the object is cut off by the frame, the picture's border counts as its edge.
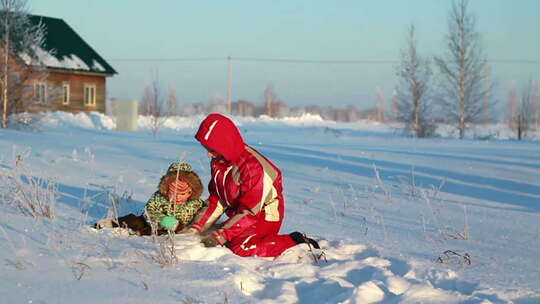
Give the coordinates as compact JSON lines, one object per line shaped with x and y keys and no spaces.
{"x":98,"y":121}
{"x":65,"y":121}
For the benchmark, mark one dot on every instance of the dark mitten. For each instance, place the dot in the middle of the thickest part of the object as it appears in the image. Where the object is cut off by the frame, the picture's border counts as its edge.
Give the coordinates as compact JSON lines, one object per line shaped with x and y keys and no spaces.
{"x":300,"y":238}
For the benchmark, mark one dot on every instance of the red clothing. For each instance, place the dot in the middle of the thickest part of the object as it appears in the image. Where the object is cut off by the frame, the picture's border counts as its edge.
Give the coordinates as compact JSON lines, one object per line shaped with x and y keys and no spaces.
{"x":247,"y":187}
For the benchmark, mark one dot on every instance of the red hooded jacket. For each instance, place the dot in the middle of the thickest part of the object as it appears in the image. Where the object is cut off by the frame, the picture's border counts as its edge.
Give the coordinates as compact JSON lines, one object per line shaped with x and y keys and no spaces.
{"x":245,"y":185}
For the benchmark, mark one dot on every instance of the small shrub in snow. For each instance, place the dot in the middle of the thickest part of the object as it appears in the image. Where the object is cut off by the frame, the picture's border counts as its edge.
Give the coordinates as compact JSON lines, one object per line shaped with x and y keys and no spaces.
{"x":33,"y":195}
{"x":116,"y":202}
{"x":446,"y":232}
{"x":15,"y":260}
{"x":23,"y":121}
{"x":165,"y":250}
{"x":165,"y":253}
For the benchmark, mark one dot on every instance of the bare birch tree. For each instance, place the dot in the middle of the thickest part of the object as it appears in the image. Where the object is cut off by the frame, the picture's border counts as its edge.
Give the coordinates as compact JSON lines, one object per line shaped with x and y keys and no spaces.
{"x":463,"y":85}
{"x":153,"y":105}
{"x":413,"y":106}
{"x":19,"y":40}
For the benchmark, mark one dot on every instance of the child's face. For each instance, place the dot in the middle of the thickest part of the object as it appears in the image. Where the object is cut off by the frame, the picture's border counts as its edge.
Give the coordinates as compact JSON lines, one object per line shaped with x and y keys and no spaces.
{"x":179,"y":191}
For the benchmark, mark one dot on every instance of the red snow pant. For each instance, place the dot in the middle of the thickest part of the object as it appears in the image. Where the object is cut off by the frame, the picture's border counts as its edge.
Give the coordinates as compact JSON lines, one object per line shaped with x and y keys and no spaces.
{"x":261,"y":239}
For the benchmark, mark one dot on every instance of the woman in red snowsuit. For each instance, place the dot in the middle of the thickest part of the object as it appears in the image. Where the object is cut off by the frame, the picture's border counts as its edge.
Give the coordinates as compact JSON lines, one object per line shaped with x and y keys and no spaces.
{"x":247,"y":187}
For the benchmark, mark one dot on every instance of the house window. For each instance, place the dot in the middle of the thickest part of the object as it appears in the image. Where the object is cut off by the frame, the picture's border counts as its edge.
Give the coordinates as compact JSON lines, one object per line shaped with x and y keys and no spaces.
{"x":40,"y":91}
{"x":65,"y":93}
{"x":90,"y":95}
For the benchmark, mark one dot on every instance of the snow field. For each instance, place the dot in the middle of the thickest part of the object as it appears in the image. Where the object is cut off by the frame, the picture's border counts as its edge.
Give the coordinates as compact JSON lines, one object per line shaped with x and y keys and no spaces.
{"x":383,"y":207}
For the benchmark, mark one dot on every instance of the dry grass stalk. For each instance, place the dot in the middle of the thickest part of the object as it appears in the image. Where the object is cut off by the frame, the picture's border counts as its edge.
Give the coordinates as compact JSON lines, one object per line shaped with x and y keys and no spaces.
{"x":108,"y":259}
{"x":79,"y":269}
{"x":110,"y":196}
{"x":452,"y":256}
{"x":187,"y":300}
{"x":165,"y":253}
{"x":456,"y":235}
{"x":316,"y":257}
{"x":33,"y":195}
{"x":17,"y":263}
{"x":379,"y":184}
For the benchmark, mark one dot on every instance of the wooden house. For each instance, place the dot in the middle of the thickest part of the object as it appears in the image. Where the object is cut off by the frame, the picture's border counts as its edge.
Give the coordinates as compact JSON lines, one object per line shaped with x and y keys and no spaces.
{"x":76,"y":75}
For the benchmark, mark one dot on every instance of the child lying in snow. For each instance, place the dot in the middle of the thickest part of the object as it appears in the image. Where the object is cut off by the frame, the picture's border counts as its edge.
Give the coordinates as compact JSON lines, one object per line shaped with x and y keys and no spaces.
{"x":172,"y":207}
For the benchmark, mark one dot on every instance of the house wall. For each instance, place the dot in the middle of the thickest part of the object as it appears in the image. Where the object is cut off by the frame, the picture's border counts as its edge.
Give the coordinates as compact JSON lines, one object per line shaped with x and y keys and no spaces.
{"x":77,"y":82}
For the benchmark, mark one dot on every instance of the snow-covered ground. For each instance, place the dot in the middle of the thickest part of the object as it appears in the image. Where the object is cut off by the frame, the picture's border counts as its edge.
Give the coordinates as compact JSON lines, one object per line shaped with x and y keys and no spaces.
{"x":384,"y":207}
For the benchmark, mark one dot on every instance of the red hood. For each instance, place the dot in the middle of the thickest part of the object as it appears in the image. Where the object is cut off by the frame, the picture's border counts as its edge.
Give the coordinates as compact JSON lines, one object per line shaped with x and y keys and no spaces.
{"x":219,"y":133}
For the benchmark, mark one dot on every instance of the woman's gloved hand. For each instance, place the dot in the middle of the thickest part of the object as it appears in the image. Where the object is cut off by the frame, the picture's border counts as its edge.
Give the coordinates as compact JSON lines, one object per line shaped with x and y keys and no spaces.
{"x":209,"y":242}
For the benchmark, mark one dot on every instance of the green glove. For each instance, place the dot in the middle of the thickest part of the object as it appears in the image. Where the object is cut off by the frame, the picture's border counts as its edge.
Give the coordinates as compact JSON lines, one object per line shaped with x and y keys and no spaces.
{"x":169,"y":222}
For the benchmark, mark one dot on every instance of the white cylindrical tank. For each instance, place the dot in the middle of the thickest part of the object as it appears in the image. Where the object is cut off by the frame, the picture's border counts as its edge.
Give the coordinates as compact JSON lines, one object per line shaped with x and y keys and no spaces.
{"x":126,"y":114}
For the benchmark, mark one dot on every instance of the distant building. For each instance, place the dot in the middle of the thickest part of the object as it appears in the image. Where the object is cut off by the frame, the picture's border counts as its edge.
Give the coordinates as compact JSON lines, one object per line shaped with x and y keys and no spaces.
{"x":76,"y":74}
{"x":243,"y":108}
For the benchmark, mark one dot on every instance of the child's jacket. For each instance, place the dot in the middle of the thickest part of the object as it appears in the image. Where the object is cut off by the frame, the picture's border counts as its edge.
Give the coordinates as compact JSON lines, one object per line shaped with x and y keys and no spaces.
{"x":158,"y":206}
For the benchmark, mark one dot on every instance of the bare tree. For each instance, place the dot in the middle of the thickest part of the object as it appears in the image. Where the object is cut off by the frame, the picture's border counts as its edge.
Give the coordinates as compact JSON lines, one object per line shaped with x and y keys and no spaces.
{"x":463,"y":71}
{"x":380,"y":106}
{"x":486,"y":107}
{"x":269,"y":98}
{"x":536,"y":103}
{"x":394,"y":105}
{"x":20,"y":40}
{"x":172,"y":101}
{"x":153,"y":105}
{"x":525,"y":115}
{"x":412,"y":103}
{"x":512,"y":107}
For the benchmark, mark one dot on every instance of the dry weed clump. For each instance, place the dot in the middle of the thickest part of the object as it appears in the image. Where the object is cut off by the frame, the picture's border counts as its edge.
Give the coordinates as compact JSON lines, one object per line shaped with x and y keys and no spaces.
{"x":33,"y":195}
{"x":165,"y":253}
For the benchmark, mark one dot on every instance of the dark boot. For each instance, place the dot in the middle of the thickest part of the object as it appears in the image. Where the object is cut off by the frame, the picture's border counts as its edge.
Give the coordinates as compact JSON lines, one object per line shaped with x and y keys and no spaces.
{"x":136,"y":223}
{"x":106,"y":223}
{"x":300,"y":238}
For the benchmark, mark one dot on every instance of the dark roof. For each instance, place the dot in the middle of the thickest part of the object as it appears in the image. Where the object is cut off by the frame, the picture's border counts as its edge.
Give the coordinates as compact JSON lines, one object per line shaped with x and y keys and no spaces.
{"x":64,"y":42}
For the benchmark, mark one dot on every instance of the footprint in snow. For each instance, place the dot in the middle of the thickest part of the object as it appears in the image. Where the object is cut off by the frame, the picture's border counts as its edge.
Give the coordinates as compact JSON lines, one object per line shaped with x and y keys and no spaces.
{"x":353,"y":274}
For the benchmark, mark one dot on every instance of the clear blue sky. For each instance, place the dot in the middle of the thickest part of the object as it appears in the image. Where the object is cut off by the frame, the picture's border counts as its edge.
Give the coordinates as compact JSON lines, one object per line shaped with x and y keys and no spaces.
{"x":287,"y":29}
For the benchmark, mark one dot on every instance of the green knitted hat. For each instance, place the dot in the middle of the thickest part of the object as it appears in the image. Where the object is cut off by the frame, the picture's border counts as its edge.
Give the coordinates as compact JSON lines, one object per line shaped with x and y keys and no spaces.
{"x":178,"y":166}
